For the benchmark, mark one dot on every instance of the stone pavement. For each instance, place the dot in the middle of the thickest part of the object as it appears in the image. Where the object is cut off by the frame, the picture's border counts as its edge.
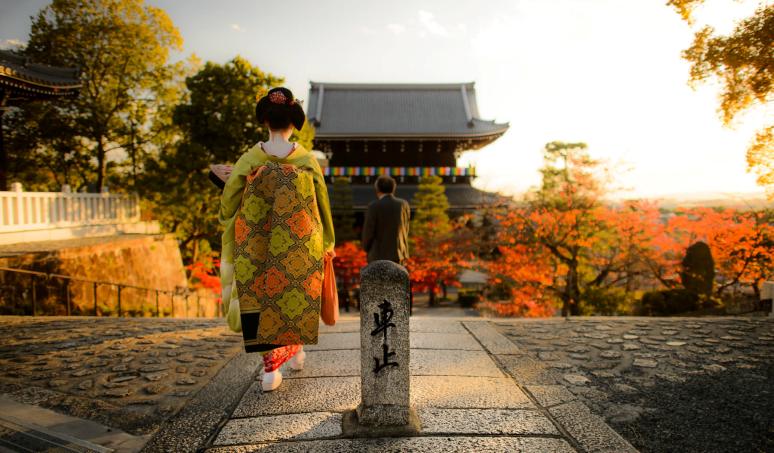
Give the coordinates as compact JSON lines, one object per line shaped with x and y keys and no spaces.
{"x":464,"y":395}
{"x":477,"y":384}
{"x":129,"y":373}
{"x":208,"y":395}
{"x":666,"y":384}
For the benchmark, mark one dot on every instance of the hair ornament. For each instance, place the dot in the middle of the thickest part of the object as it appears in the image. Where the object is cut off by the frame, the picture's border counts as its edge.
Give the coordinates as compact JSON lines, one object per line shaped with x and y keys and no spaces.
{"x":277,"y":97}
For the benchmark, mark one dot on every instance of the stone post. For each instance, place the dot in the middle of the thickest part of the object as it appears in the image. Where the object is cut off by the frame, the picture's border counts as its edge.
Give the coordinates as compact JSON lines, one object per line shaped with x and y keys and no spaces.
{"x":384,"y":354}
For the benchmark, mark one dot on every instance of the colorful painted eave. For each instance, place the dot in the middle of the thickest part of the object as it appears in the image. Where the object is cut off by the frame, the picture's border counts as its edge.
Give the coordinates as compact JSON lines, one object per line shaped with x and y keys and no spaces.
{"x":20,"y":76}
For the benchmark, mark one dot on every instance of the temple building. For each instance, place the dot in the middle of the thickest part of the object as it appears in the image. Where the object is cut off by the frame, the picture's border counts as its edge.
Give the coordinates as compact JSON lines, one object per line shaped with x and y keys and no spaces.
{"x":404,"y":130}
{"x":22,"y":81}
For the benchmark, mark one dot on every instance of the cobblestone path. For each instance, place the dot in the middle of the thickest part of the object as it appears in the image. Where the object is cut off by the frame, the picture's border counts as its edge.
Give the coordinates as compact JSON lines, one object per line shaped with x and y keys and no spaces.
{"x":666,"y":384}
{"x":130,"y":373}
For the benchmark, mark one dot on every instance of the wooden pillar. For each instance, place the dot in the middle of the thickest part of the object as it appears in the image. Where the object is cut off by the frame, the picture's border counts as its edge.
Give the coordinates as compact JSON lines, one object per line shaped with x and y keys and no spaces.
{"x":3,"y":154}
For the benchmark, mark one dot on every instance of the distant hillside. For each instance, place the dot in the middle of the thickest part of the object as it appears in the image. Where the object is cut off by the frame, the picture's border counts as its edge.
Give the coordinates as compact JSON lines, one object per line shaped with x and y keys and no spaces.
{"x":740,"y":201}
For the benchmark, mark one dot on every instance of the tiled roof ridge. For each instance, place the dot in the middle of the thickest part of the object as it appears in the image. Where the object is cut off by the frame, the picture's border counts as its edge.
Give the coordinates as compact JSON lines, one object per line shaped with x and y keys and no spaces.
{"x":392,"y":86}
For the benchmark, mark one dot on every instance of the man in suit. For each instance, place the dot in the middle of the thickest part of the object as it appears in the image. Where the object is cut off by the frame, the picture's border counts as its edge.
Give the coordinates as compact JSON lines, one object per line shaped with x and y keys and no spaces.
{"x":385,"y":232}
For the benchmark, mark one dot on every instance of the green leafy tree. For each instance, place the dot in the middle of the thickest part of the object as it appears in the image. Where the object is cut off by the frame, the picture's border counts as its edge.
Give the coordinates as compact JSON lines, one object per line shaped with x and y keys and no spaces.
{"x":216,"y":123}
{"x":342,"y":210}
{"x":742,"y":62}
{"x":431,"y":206}
{"x":122,"y":50}
{"x":219,"y":117}
{"x":433,"y":261}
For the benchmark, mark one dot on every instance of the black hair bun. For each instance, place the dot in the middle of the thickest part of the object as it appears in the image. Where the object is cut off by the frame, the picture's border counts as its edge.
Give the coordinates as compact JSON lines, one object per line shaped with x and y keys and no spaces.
{"x":280,"y":109}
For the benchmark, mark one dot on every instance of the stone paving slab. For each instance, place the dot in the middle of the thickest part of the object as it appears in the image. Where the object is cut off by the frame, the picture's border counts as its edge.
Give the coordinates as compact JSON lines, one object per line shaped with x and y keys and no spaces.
{"x":314,"y":425}
{"x":345,"y":324}
{"x":427,"y":340}
{"x":345,"y":362}
{"x":485,"y":421}
{"x":412,"y":444}
{"x":452,"y":363}
{"x":467,"y":392}
{"x":528,"y":371}
{"x":493,"y":341}
{"x":335,"y":340}
{"x":419,"y":340}
{"x":328,"y":394}
{"x":589,"y":430}
{"x":431,"y":325}
{"x":550,"y":395}
{"x":423,"y":362}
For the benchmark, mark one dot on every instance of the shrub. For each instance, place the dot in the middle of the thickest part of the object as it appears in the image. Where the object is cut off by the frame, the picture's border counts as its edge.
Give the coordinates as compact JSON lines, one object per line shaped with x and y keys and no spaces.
{"x":669,"y":302}
{"x":468,"y":297}
{"x":105,"y":310}
{"x":606,"y":301}
{"x":698,"y":270}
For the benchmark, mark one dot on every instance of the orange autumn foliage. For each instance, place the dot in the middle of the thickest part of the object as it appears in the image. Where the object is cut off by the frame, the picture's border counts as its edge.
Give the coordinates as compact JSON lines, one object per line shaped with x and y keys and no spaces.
{"x":350,"y":258}
{"x":204,"y":275}
{"x":439,"y":259}
{"x":742,"y":243}
{"x":631,"y":247}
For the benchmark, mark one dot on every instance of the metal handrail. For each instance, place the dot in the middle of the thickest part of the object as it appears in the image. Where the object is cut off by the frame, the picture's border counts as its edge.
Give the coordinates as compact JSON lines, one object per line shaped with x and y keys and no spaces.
{"x":179,"y":291}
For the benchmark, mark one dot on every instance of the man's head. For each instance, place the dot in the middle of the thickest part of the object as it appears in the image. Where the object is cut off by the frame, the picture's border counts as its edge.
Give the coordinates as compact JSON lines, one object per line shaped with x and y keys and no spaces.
{"x":385,"y":185}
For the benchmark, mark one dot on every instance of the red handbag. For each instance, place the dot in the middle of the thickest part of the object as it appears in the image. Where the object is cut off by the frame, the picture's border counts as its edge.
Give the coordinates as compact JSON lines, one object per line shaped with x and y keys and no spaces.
{"x":329,"y":311}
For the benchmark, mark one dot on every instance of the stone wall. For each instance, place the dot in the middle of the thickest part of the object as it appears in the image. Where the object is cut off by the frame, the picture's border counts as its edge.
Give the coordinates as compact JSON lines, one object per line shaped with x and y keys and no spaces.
{"x":150,"y":261}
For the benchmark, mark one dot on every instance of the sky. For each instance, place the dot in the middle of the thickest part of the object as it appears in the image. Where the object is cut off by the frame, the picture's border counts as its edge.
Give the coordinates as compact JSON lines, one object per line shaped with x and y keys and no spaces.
{"x":604,"y":72}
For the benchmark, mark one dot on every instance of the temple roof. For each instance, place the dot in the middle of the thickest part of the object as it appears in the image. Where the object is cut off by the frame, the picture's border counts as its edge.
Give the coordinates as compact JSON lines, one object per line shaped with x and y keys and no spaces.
{"x":21,"y":77}
{"x":394,"y":111}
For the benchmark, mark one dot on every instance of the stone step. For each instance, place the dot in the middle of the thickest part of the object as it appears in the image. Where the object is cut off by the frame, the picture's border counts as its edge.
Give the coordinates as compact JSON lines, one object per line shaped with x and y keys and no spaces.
{"x":17,"y":435}
{"x":25,"y":427}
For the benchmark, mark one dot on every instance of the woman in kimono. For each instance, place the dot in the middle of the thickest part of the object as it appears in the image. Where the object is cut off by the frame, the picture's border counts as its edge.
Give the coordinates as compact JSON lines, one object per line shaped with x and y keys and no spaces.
{"x":278,"y":231}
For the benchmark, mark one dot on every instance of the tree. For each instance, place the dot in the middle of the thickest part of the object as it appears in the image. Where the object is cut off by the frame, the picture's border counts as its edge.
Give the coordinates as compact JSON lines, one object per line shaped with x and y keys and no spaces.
{"x":216,"y":123}
{"x":122,"y":49}
{"x":434,"y":258}
{"x":349,"y":260}
{"x":431,"y":206}
{"x":562,"y":215}
{"x":741,"y":243}
{"x":742,"y":61}
{"x":342,"y":210}
{"x":760,"y":157}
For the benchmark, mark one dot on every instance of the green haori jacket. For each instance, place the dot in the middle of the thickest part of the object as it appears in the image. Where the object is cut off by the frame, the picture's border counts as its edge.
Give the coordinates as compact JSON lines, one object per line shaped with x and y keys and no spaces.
{"x":231,"y":200}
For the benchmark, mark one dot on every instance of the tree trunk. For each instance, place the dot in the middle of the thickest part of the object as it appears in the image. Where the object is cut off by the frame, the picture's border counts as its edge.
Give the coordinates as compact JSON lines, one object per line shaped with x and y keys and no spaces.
{"x":431,"y":292}
{"x":573,"y":290}
{"x":101,"y":165}
{"x":756,"y":287}
{"x":565,"y":305}
{"x":195,"y":257}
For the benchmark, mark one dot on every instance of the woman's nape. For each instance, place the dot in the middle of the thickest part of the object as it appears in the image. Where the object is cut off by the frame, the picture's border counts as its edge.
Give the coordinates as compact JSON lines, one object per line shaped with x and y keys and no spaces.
{"x":278,"y":144}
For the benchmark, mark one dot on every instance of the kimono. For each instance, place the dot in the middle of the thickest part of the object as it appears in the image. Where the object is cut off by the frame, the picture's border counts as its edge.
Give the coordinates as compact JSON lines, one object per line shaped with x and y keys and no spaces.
{"x":277,"y":227}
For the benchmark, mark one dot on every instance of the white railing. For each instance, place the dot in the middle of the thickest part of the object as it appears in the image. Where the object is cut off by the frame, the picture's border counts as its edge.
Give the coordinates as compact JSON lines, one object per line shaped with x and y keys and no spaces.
{"x":24,"y":211}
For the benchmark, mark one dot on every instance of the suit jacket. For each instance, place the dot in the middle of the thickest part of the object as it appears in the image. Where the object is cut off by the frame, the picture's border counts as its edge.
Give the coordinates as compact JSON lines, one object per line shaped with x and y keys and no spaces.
{"x":385,"y":232}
